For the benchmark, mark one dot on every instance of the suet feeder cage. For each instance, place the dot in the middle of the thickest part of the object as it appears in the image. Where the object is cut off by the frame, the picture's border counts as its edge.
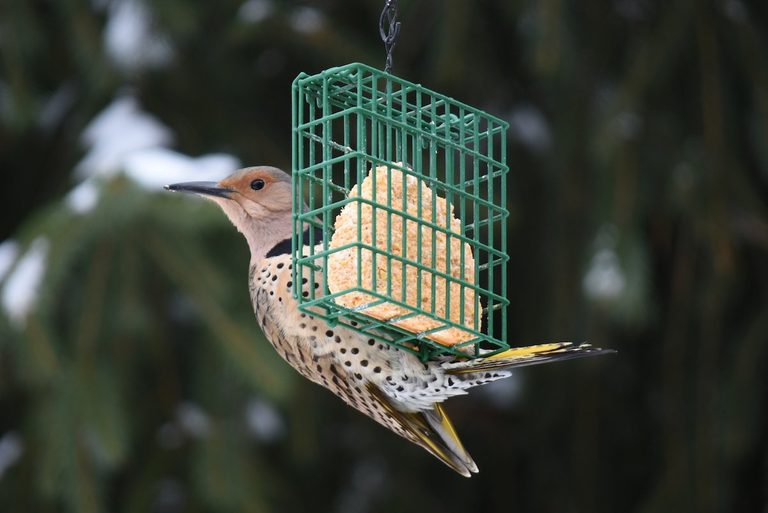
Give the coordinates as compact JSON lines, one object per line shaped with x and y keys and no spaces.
{"x":425,"y":235}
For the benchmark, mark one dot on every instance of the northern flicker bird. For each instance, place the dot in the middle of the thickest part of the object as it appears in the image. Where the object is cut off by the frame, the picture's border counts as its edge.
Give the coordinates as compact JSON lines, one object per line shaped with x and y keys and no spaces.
{"x":390,"y":385}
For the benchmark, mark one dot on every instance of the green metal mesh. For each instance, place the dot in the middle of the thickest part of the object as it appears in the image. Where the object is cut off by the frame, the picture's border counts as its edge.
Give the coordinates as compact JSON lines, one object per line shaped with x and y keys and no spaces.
{"x":349,"y":119}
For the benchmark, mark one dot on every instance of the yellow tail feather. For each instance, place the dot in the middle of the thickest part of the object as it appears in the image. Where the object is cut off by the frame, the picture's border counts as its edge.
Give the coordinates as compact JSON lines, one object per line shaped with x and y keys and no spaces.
{"x":520,"y":352}
{"x":530,"y":355}
{"x":432,"y":430}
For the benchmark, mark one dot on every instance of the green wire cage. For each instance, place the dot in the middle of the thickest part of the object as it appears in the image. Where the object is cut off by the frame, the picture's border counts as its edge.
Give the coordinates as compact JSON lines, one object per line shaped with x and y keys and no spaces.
{"x":425,"y":235}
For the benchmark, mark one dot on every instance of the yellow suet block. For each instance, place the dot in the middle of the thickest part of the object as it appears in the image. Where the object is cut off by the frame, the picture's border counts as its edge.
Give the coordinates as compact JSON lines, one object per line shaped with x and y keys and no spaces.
{"x":415,"y":242}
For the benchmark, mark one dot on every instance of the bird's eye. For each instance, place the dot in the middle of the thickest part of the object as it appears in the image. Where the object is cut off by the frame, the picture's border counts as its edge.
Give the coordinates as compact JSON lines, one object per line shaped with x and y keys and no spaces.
{"x":257,"y":184}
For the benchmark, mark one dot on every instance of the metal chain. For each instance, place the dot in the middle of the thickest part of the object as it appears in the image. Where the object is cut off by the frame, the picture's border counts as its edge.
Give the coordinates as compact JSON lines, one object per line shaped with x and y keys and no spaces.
{"x":389,"y":34}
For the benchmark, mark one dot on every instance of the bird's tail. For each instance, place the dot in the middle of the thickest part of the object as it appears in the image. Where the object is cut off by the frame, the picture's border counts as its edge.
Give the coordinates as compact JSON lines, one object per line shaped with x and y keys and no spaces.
{"x":431,"y":429}
{"x":523,"y":356}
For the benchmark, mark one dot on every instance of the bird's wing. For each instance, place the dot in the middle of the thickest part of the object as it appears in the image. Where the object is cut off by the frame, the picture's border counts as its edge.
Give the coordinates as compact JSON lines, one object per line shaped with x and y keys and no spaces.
{"x":523,"y":356}
{"x":432,"y":430}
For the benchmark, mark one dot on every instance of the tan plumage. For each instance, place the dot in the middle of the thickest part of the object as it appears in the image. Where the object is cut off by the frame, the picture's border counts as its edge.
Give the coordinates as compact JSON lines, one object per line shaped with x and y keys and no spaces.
{"x":391,"y":386}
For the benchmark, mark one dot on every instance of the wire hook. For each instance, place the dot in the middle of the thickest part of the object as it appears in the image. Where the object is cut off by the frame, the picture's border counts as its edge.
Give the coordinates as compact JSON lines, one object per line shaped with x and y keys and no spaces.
{"x":389,"y":34}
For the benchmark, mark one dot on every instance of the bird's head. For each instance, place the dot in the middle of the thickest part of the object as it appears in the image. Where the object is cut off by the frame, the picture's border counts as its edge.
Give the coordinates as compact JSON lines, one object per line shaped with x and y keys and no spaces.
{"x":257,"y":200}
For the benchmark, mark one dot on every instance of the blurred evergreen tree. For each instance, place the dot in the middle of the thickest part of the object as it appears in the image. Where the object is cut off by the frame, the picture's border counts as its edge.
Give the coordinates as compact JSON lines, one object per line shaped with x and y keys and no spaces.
{"x":139,"y":380}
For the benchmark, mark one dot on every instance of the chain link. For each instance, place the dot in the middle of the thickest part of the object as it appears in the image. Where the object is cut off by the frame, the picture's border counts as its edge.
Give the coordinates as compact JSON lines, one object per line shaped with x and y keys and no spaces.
{"x":389,"y":30}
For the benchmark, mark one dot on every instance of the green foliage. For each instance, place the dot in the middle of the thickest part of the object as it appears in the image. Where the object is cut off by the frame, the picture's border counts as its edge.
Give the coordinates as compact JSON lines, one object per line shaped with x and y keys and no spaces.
{"x":131,"y":292}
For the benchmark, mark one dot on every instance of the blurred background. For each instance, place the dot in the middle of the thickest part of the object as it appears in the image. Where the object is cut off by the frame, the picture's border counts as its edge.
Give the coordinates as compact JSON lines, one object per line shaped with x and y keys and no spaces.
{"x":133,"y":377}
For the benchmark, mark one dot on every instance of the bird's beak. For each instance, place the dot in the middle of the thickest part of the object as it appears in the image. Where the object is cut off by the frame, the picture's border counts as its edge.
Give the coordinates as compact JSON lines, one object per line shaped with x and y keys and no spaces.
{"x":204,"y":188}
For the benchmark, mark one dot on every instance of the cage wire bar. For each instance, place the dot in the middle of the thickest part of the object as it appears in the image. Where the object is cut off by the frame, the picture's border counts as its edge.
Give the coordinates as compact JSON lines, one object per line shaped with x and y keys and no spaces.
{"x":350,"y":119}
